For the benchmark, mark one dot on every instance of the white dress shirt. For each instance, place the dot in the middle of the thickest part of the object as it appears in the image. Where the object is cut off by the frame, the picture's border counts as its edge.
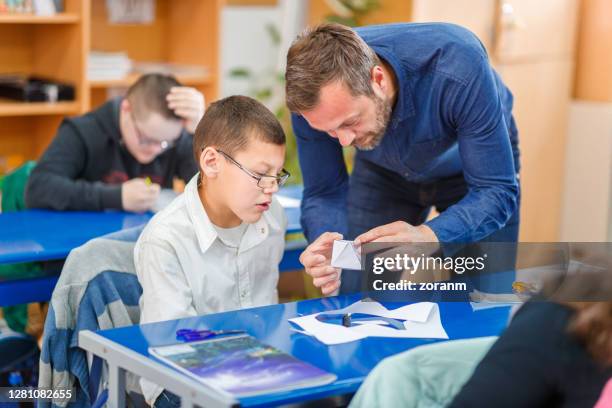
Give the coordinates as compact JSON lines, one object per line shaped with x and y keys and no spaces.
{"x":185,"y":269}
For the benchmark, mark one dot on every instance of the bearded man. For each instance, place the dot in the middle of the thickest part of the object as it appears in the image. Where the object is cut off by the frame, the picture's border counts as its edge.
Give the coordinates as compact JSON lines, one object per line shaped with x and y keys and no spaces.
{"x":433,"y":127}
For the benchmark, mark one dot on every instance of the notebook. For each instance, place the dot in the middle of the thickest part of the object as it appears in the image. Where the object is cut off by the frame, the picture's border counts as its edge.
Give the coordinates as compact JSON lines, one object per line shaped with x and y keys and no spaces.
{"x":241,"y":365}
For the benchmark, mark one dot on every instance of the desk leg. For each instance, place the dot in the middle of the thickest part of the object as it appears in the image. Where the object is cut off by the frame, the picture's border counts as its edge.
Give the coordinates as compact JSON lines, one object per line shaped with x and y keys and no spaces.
{"x":116,"y":386}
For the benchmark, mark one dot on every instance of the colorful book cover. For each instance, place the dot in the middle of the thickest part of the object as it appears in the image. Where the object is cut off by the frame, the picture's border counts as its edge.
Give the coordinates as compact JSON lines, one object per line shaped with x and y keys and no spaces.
{"x":242,"y":366}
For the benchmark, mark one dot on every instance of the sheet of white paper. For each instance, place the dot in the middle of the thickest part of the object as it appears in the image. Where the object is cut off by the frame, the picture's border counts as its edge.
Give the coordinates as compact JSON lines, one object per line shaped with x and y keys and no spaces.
{"x":345,"y":256}
{"x":422,"y":321}
{"x":288,"y":202}
{"x":327,"y":333}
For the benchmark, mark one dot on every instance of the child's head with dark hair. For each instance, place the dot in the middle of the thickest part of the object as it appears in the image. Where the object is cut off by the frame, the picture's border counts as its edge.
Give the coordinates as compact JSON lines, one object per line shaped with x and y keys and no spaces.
{"x":239,"y":146}
{"x":230,"y":123}
{"x":148,"y":125}
{"x":148,"y":95}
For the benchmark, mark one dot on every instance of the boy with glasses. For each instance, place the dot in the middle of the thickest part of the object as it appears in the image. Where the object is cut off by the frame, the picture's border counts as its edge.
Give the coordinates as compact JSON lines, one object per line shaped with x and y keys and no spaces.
{"x":120,"y":155}
{"x":217,"y":246}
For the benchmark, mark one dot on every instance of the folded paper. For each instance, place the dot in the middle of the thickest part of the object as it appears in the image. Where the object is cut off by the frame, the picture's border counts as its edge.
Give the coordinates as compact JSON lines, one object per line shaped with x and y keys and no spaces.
{"x":345,"y":255}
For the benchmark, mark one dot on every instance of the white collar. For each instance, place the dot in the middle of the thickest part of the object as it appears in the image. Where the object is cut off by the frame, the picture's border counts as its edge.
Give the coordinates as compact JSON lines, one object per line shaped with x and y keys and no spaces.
{"x":205,"y":230}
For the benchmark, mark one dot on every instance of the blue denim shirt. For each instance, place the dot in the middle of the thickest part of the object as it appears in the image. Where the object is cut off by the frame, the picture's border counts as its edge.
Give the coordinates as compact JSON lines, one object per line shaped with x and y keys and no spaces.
{"x":453,"y":115}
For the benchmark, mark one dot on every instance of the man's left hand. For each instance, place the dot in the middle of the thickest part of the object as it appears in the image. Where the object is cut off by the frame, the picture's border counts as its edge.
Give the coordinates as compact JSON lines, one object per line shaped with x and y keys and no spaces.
{"x":188,"y":103}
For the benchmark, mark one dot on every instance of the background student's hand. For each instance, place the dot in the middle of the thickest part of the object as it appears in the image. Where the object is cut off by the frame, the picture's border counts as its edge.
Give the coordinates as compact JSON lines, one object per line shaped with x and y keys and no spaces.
{"x":139,"y":196}
{"x":188,"y":103}
{"x":316,"y":259}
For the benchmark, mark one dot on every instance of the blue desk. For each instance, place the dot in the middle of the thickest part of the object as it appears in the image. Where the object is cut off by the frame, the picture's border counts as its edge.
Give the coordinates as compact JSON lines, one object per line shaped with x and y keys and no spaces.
{"x":126,"y":348}
{"x":44,"y":235}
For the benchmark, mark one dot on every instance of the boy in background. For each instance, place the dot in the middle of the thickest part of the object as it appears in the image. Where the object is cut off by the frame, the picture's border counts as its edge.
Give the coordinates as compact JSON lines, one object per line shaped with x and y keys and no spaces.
{"x":217,"y":246}
{"x":120,"y":155}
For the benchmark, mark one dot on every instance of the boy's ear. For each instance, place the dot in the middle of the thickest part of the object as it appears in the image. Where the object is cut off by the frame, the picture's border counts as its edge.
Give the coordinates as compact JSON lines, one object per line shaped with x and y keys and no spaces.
{"x":125,"y":105}
{"x":209,"y":162}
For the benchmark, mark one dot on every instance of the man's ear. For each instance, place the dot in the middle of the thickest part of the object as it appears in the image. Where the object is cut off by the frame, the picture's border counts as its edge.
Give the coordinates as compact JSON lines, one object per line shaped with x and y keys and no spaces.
{"x":379,"y":81}
{"x":209,"y":162}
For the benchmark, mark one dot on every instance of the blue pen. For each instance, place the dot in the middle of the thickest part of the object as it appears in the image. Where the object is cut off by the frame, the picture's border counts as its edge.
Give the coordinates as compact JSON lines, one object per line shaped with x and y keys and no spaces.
{"x":194,"y":335}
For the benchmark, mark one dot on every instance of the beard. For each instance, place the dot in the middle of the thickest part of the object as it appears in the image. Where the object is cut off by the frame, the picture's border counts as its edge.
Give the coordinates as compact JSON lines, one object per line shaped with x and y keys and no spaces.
{"x":383,"y":115}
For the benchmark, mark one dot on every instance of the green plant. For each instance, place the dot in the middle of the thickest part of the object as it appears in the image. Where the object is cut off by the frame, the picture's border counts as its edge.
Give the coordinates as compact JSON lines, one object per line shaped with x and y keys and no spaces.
{"x":268,"y":87}
{"x":349,"y":12}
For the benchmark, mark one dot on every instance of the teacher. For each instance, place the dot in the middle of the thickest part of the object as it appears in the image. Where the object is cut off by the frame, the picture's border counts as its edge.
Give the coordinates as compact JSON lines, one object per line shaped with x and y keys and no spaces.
{"x":433,"y":127}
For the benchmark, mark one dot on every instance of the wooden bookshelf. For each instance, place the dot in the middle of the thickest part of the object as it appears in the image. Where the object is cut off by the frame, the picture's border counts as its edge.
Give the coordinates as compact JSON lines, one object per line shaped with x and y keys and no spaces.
{"x":59,"y":18}
{"x":184,"y":32}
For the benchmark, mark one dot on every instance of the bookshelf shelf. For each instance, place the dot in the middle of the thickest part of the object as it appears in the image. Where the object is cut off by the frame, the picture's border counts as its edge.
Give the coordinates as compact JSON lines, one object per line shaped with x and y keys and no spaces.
{"x":59,"y":18}
{"x":187,"y":80}
{"x":10,"y":107}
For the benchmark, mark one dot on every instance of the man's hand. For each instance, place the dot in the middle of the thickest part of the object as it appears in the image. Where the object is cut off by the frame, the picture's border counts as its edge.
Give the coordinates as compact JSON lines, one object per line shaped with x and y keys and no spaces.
{"x":139,"y":196}
{"x":398,"y":231}
{"x":188,"y":103}
{"x":316,"y":259}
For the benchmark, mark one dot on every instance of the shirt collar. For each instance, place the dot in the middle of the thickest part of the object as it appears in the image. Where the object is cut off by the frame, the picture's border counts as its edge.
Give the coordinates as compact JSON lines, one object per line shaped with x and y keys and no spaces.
{"x":404,"y":106}
{"x":205,"y":230}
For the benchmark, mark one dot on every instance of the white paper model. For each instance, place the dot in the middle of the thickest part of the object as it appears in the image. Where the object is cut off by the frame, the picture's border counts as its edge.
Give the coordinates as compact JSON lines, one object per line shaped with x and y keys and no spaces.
{"x":345,"y":256}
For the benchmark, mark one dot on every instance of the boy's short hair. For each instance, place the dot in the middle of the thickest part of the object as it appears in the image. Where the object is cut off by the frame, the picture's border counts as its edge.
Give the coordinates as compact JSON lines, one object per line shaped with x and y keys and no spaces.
{"x":148,"y":95}
{"x":229,"y":122}
{"x":323,"y":54}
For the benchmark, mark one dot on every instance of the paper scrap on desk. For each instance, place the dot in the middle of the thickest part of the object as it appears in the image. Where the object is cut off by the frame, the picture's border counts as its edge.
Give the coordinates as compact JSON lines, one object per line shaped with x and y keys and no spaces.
{"x":479,"y":296}
{"x":483,"y":300}
{"x":422,"y":321}
{"x":345,"y":256}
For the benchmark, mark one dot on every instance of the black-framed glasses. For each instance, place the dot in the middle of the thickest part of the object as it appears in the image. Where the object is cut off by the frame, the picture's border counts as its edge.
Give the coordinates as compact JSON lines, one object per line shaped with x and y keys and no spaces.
{"x":263,"y":180}
{"x":147,"y":141}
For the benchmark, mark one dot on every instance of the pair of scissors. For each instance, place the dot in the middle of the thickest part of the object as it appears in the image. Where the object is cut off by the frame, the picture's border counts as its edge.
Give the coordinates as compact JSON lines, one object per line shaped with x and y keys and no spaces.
{"x":348,"y":319}
{"x":194,"y":335}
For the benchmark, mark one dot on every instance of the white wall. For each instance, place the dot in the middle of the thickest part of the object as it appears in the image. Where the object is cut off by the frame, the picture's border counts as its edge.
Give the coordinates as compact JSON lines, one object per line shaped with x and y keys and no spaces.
{"x":246,"y":43}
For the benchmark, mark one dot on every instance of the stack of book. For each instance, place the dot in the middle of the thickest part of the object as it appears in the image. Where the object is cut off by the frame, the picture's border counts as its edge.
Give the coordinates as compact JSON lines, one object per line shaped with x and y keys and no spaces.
{"x":168,"y":68}
{"x":108,"y":66}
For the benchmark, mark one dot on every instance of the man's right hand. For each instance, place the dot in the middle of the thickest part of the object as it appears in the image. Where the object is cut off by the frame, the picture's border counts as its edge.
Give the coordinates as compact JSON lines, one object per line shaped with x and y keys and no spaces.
{"x":316,"y":259}
{"x":139,"y":196}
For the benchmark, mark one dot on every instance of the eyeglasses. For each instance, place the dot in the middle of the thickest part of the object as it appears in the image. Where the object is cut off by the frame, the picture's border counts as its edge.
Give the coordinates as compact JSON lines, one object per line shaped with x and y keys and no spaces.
{"x":263,"y":180}
{"x":147,"y":141}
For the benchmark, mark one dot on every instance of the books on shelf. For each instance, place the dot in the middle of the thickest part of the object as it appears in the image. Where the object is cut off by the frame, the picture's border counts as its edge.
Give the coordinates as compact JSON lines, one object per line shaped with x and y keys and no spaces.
{"x":16,"y":6}
{"x":116,"y":66}
{"x":37,"y":7}
{"x":103,"y":66}
{"x":170,"y":69}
